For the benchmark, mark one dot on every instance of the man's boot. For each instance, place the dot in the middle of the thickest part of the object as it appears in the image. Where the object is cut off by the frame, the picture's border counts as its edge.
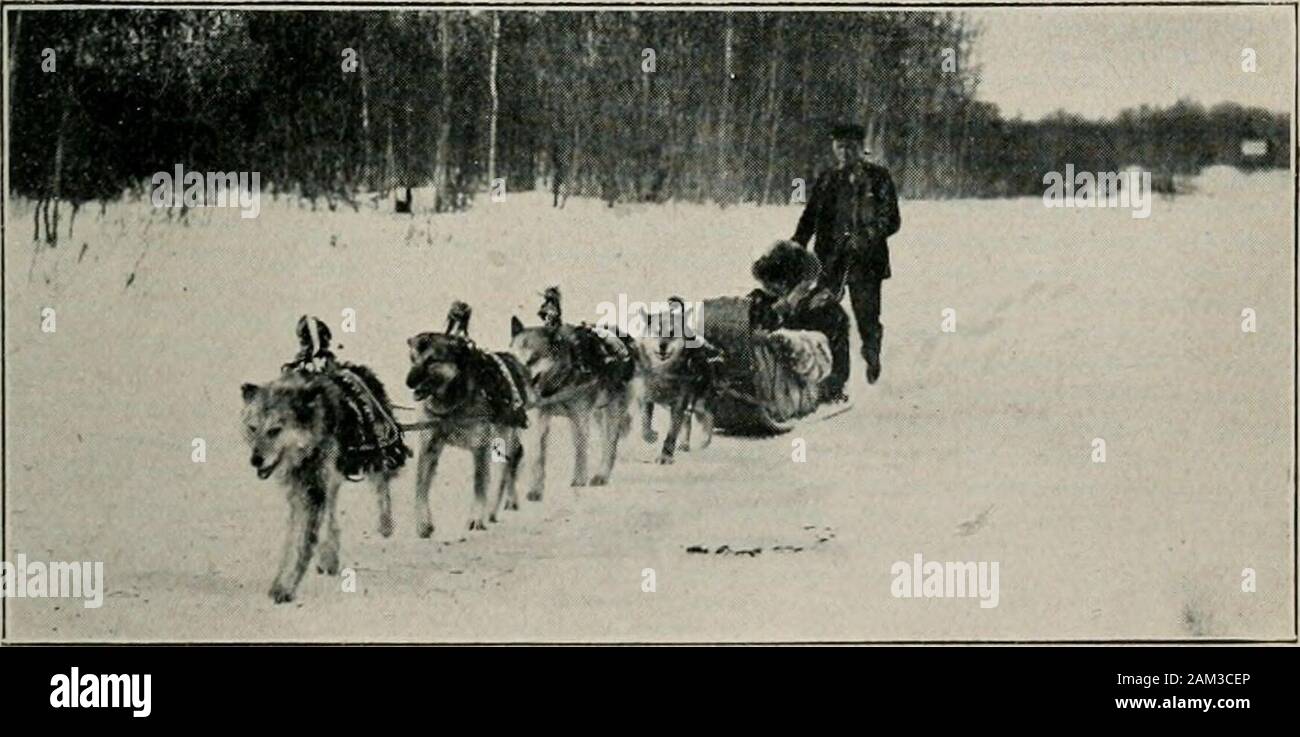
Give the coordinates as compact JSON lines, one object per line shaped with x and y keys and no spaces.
{"x":871,"y":352}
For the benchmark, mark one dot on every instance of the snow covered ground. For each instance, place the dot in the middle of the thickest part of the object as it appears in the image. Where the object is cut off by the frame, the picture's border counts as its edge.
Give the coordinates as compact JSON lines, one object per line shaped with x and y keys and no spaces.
{"x":976,"y":445}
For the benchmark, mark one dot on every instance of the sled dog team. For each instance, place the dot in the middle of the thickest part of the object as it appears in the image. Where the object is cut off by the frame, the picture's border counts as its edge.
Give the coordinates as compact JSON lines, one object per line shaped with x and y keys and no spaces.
{"x":323,"y":421}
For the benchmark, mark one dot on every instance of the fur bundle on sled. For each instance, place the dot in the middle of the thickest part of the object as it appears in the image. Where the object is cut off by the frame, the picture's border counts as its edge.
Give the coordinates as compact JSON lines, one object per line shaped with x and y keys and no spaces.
{"x":776,"y":372}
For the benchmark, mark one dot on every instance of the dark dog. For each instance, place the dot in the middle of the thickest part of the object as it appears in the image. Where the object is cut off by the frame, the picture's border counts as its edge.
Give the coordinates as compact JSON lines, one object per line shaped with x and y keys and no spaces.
{"x":474,"y":400}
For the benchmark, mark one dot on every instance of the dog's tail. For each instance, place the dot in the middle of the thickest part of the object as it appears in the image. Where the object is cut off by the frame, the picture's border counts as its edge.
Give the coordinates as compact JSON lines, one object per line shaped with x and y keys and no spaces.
{"x":313,"y":343}
{"x":550,"y":311}
{"x":458,"y":319}
{"x":313,"y":334}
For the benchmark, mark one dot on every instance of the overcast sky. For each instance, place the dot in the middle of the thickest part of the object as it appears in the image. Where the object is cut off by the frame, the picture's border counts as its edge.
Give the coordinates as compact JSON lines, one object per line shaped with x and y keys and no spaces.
{"x":1097,"y":61}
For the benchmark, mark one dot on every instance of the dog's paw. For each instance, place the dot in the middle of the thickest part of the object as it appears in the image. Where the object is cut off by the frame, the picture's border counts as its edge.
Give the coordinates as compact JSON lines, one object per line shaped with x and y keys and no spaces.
{"x":684,"y":446}
{"x":281,"y":594}
{"x":650,"y":436}
{"x":664,"y":459}
{"x":476,"y":523}
{"x":578,"y":481}
{"x":386,"y":526}
{"x":599,"y":480}
{"x":534,"y":495}
{"x":328,"y":564}
{"x":512,"y":504}
{"x":424,"y":529}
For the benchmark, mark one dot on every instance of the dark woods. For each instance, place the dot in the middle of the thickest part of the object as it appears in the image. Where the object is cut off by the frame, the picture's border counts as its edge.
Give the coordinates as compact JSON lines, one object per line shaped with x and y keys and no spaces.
{"x":337,"y":107}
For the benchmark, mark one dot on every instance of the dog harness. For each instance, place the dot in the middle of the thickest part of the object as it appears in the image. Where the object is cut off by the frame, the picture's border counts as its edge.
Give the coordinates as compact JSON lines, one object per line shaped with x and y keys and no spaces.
{"x":369,"y":437}
{"x":516,"y":397}
{"x":499,"y":379}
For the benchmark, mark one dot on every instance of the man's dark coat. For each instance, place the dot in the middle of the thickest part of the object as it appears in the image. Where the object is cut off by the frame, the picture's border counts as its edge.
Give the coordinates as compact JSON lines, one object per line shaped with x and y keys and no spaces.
{"x":852,"y":212}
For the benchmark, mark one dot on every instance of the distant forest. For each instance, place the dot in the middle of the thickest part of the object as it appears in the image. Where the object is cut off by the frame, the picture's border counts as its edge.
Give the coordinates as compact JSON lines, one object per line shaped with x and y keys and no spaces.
{"x":626,"y":106}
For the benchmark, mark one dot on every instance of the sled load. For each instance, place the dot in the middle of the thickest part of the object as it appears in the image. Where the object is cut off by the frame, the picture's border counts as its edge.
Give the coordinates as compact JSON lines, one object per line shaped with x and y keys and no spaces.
{"x":776,"y":355}
{"x":766,"y":379}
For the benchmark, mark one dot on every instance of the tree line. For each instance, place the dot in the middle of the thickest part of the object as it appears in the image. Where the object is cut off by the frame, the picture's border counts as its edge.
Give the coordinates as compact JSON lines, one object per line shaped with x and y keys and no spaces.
{"x":727,"y":107}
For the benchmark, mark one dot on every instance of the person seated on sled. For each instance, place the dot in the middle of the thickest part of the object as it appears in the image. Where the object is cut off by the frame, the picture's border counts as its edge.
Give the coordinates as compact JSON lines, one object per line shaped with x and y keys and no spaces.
{"x":789,"y":297}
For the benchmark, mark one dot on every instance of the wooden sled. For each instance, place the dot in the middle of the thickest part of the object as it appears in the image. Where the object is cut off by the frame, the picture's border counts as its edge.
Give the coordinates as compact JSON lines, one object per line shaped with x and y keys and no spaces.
{"x":757,"y":393}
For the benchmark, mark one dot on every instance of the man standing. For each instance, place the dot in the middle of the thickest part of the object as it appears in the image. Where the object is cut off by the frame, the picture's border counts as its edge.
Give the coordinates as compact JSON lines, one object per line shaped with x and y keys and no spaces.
{"x":852,"y":209}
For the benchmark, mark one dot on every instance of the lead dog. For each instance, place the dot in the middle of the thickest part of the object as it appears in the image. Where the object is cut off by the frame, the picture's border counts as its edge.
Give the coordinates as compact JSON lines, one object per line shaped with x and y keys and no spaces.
{"x":312,"y":428}
{"x":472,"y":399}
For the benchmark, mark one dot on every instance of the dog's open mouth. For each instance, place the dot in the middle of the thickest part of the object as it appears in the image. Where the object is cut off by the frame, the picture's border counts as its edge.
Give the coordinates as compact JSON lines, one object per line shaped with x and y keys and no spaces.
{"x":265,"y":471}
